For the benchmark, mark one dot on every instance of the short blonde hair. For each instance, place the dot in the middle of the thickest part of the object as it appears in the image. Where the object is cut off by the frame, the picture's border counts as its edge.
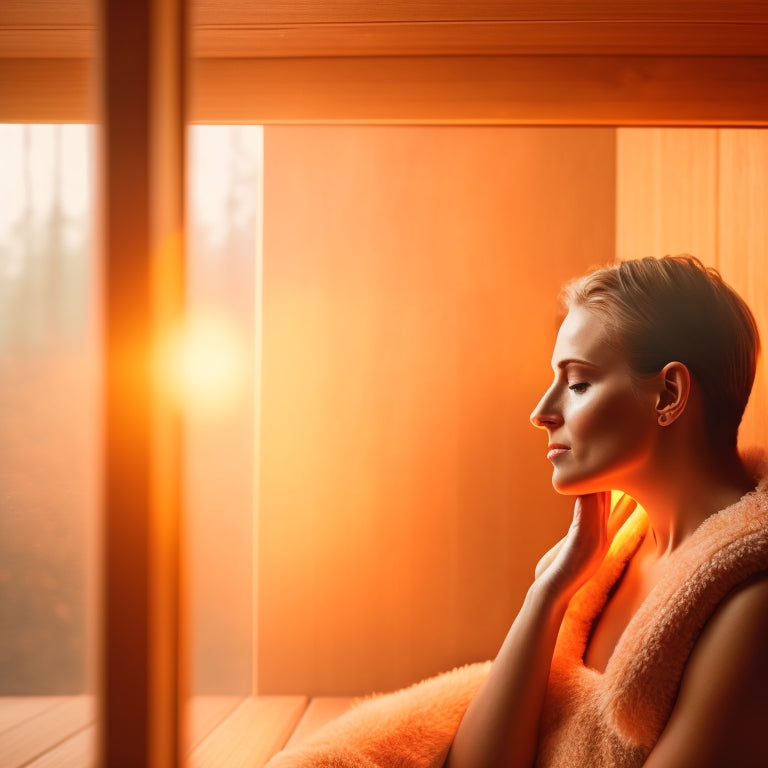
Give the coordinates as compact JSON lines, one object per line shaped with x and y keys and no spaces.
{"x":676,"y":309}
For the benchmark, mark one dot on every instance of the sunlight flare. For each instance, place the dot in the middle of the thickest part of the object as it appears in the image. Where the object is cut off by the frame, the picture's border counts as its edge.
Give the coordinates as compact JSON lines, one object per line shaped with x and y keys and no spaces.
{"x":203,"y":366}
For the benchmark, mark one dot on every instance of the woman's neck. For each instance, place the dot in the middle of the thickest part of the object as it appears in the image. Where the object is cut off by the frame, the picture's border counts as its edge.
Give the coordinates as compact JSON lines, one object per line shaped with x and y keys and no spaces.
{"x":684,"y":492}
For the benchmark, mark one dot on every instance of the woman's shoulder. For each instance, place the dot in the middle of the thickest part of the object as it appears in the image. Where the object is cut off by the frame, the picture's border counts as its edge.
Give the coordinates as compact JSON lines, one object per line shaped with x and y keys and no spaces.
{"x":741,"y":621}
{"x":722,"y":705}
{"x":741,"y":617}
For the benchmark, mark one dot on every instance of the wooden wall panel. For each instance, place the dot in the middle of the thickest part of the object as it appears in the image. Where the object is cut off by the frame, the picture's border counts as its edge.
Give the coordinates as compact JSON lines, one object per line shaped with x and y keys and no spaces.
{"x":743,"y":248}
{"x":409,"y":287}
{"x":701,"y":191}
{"x":666,"y":192}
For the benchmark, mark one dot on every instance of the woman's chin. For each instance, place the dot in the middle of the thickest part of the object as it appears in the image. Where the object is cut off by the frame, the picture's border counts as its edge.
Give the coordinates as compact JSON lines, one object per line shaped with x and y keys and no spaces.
{"x":571,"y":486}
{"x":567,"y":490}
{"x":564,"y":485}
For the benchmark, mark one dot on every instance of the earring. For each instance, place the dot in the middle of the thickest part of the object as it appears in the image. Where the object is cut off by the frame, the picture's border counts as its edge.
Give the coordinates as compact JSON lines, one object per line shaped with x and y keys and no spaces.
{"x":663,"y":418}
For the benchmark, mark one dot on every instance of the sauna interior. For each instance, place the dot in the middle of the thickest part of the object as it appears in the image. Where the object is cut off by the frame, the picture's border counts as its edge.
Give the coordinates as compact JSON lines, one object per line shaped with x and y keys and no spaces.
{"x":381,"y":254}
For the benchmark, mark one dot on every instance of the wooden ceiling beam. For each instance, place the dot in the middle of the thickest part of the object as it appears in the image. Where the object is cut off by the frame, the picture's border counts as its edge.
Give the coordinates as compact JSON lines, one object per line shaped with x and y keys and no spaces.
{"x":22,"y":13}
{"x":498,"y":90}
{"x":693,"y":62}
{"x":429,"y":38}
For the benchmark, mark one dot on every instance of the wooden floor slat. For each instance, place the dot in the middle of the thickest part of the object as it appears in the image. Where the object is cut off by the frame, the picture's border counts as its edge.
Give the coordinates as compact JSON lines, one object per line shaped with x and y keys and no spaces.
{"x":37,"y":735}
{"x":16,"y":709}
{"x":78,"y":751}
{"x":206,"y":713}
{"x":224,"y":731}
{"x":257,"y":729}
{"x":318,"y":713}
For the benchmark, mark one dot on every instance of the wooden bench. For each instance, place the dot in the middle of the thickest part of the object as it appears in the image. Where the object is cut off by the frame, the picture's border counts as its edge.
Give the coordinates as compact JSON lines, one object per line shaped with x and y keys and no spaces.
{"x":225,"y":731}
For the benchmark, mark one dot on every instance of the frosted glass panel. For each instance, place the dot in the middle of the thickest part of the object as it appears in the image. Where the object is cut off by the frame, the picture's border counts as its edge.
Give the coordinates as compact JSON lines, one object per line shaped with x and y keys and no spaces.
{"x":49,"y":409}
{"x":223,"y":274}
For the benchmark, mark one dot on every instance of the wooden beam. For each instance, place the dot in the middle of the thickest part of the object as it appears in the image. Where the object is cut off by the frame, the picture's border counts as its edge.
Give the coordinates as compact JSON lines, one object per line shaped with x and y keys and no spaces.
{"x":479,"y":38}
{"x":142,"y":166}
{"x":503,"y":90}
{"x":82,"y":12}
{"x":47,"y":91}
{"x":422,"y":38}
{"x":694,"y":62}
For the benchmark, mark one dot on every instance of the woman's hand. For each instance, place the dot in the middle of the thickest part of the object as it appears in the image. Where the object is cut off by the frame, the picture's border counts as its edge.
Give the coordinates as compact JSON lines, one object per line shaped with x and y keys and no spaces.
{"x":573,"y":560}
{"x":501,"y":724}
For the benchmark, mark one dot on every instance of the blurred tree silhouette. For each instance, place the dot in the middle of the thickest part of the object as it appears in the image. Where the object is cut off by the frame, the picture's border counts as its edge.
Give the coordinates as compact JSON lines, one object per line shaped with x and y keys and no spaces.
{"x":48,"y":415}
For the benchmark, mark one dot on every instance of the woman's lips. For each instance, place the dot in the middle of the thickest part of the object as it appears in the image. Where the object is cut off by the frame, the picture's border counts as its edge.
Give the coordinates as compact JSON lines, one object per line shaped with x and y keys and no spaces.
{"x":555,"y":450}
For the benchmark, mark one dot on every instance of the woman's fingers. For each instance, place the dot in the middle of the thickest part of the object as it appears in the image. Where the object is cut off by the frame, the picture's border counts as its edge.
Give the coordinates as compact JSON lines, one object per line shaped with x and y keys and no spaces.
{"x":590,"y":515}
{"x":549,"y":557}
{"x":577,"y":557}
{"x":593,"y":527}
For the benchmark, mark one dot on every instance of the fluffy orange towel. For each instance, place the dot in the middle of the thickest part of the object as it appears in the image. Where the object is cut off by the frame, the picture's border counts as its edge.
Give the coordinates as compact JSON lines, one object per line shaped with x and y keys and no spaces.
{"x":411,"y":728}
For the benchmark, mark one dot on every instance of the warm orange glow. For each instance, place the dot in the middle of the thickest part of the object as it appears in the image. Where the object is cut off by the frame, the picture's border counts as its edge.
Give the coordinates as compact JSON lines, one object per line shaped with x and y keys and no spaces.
{"x":203,"y":367}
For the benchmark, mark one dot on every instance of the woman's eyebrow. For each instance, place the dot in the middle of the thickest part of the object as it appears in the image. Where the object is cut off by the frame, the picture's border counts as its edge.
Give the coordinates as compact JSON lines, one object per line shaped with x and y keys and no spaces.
{"x":563,"y":364}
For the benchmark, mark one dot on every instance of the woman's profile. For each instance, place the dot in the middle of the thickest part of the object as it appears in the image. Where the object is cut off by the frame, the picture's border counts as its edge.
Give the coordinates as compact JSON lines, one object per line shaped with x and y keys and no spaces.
{"x":647,"y":648}
{"x":643,"y":638}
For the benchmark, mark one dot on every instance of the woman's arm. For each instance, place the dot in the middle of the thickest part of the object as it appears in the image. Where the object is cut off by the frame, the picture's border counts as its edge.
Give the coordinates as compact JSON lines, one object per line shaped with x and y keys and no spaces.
{"x":721,"y":714}
{"x":500,"y":727}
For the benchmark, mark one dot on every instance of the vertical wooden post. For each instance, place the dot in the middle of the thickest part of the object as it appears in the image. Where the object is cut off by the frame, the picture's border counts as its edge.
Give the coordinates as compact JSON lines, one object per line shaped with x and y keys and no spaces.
{"x":142,"y":165}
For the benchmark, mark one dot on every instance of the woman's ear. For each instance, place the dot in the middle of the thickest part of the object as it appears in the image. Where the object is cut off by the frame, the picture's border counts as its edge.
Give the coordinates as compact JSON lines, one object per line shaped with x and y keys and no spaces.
{"x":675,"y":380}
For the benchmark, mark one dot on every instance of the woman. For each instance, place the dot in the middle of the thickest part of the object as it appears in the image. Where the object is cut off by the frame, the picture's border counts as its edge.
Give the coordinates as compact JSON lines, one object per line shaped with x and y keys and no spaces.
{"x":649,"y":648}
{"x":643,"y":640}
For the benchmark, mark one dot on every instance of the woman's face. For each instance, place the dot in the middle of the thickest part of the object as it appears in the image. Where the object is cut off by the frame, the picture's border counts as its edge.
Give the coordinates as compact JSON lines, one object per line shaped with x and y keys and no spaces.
{"x":601,"y":422}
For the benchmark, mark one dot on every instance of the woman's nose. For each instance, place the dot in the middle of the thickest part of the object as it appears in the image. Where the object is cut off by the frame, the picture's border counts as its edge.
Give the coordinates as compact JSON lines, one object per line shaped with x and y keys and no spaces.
{"x":546,"y":415}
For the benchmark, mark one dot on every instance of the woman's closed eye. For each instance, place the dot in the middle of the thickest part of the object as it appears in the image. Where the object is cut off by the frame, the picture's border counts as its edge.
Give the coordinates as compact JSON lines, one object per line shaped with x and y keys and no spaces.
{"x":579,"y":387}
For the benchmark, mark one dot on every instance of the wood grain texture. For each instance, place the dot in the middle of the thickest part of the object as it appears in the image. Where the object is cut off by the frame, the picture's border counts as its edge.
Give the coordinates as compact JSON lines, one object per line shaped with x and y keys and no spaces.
{"x":666,"y":192}
{"x":743,"y":250}
{"x":32,"y":736}
{"x":250,"y":735}
{"x":77,"y":748}
{"x":322,"y":11}
{"x":47,"y":91}
{"x":597,"y":90}
{"x":225,"y":731}
{"x":408,"y":319}
{"x":516,"y":63}
{"x":141,"y":196}
{"x":17,"y":709}
{"x":421,"y":38}
{"x":703,"y":192}
{"x":83,"y":12}
{"x":77,"y":751}
{"x":205,"y":713}
{"x":319,"y":712}
{"x":465,"y":38}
